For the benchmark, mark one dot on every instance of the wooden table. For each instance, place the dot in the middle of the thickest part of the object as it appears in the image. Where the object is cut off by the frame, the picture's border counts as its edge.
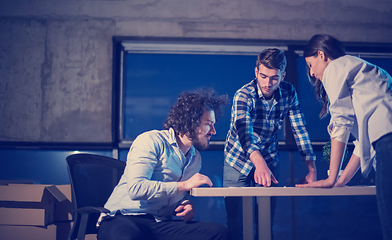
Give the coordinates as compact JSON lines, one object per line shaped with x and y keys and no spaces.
{"x":263,"y":195}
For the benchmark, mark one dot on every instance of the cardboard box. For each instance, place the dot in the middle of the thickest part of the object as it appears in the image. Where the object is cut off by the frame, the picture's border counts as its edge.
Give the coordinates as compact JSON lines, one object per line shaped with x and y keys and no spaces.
{"x":58,"y":231}
{"x":34,"y":211}
{"x":25,"y":217}
{"x":34,"y":205}
{"x":63,"y":202}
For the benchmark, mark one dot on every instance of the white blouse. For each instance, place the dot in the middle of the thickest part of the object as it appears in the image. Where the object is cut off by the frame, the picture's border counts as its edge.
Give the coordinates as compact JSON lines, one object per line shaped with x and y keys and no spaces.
{"x":360,"y":96}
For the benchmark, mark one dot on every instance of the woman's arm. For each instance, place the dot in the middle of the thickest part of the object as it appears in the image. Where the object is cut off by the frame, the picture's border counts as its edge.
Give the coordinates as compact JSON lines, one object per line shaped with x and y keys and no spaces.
{"x":337,"y":151}
{"x":352,"y":167}
{"x":342,"y":120}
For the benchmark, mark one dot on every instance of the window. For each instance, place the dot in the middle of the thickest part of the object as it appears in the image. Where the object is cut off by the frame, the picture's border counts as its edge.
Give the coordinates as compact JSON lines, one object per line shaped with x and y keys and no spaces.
{"x":154,"y":74}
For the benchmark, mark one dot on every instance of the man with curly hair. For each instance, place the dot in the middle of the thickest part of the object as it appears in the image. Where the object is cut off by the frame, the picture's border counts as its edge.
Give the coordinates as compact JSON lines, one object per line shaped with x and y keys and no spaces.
{"x":162,"y":166}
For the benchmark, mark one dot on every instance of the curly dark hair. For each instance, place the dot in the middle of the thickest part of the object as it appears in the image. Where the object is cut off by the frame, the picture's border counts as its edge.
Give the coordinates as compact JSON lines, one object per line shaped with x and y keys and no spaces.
{"x":184,"y":116}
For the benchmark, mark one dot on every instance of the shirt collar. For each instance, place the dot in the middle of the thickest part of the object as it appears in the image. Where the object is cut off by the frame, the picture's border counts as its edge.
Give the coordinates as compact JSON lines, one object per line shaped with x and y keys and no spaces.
{"x":173,"y":141}
{"x":172,"y":137}
{"x":277,"y":94}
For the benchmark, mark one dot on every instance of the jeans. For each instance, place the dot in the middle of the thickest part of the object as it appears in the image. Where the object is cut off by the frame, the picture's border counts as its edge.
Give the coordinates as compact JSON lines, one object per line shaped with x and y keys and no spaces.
{"x":233,"y":178}
{"x":144,"y":227}
{"x":383,"y":149}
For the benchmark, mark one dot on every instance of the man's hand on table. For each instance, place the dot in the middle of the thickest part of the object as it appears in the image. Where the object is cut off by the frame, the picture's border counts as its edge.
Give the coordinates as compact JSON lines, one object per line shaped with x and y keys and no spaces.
{"x":194,"y":182}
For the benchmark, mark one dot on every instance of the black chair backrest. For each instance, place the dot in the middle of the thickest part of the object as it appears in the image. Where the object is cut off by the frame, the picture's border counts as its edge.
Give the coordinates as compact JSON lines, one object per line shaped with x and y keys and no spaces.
{"x":93,"y":178}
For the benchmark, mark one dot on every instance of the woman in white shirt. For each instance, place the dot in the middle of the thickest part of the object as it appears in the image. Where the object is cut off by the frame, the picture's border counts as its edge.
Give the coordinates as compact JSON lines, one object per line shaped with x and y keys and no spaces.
{"x":358,"y":95}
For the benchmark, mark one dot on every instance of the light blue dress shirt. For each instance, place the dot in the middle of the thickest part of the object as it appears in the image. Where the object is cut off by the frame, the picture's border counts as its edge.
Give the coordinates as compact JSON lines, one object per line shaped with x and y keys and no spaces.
{"x":155,"y":164}
{"x":360,"y":96}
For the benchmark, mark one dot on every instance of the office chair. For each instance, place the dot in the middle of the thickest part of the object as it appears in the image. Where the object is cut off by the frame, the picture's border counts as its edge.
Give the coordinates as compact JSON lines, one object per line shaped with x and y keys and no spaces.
{"x":93,"y":178}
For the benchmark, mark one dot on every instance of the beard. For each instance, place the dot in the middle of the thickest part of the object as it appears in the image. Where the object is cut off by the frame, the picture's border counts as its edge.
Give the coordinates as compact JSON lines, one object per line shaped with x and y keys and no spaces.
{"x":199,"y":145}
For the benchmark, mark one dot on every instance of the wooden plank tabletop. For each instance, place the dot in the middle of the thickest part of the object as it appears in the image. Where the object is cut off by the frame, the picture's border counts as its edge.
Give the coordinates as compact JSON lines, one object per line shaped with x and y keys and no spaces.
{"x":282,"y":191}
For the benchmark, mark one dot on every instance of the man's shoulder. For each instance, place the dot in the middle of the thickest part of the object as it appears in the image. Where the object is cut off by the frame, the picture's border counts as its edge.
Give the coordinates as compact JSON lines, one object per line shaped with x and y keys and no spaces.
{"x":344,"y":64}
{"x":286,"y":86}
{"x":154,"y":135}
{"x":287,"y":89}
{"x":247,"y":89}
{"x":151,"y":133}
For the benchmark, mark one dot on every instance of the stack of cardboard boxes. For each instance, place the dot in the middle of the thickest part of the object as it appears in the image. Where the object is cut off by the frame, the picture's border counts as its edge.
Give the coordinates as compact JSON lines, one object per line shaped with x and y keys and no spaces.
{"x":35,"y":212}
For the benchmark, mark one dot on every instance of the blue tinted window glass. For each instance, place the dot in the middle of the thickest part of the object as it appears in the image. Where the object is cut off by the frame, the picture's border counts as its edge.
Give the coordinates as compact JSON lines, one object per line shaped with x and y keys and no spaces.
{"x":384,"y":63}
{"x":122,"y":154}
{"x":152,"y":83}
{"x":37,"y":166}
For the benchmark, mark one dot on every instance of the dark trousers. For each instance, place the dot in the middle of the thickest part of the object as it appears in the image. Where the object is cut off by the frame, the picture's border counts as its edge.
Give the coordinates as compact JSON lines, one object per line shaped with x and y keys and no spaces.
{"x":233,"y":178}
{"x":383,"y":149}
{"x":144,"y":227}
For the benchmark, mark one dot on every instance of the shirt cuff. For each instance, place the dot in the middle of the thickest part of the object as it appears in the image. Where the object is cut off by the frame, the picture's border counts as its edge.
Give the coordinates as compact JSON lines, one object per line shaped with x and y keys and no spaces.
{"x":310,"y":158}
{"x":185,"y":202}
{"x":357,"y":149}
{"x":339,"y":133}
{"x":252,"y":148}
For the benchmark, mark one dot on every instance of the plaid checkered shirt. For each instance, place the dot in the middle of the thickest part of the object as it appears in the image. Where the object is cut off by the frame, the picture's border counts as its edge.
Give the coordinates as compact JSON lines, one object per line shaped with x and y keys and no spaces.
{"x":254,"y":126}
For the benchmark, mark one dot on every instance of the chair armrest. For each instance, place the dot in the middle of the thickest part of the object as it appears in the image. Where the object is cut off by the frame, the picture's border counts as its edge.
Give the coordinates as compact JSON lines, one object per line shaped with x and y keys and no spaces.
{"x":89,"y":209}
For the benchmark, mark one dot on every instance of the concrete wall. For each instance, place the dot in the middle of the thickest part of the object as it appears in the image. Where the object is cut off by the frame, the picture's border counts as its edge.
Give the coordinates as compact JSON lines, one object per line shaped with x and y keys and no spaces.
{"x":56,"y":55}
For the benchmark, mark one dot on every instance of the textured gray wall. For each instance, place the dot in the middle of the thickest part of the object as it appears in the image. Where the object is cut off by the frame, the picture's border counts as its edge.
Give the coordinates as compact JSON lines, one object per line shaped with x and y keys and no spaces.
{"x":56,"y":56}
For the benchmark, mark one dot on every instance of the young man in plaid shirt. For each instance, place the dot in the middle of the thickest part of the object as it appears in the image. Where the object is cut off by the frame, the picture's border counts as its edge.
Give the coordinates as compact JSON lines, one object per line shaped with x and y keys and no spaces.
{"x":251,"y":150}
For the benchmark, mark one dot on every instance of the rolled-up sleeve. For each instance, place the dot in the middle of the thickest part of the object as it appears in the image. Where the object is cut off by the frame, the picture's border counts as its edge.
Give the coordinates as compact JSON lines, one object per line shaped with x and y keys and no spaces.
{"x":141,"y":162}
{"x":242,"y":106}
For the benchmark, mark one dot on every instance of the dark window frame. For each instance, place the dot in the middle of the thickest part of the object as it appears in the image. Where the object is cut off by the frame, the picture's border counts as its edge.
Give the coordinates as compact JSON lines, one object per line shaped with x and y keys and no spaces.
{"x":292,"y":50}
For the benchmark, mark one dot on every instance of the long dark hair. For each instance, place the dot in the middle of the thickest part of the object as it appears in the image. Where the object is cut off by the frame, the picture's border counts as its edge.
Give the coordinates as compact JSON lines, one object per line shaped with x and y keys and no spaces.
{"x":332,"y":49}
{"x":184,"y":116}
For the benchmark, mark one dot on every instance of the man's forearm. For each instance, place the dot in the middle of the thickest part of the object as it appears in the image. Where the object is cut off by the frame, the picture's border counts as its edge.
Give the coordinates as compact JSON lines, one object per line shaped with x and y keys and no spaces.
{"x":257,"y":159}
{"x":311,"y":165}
